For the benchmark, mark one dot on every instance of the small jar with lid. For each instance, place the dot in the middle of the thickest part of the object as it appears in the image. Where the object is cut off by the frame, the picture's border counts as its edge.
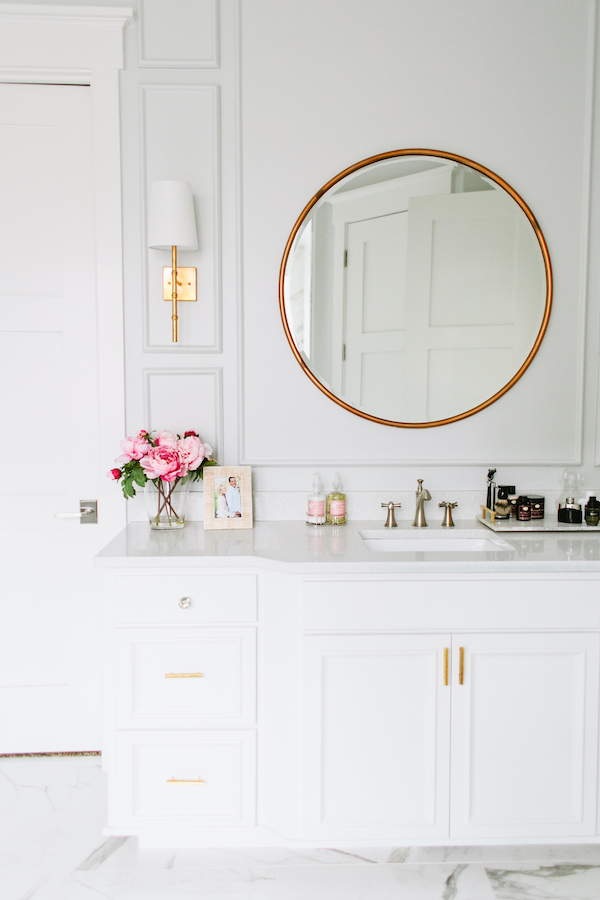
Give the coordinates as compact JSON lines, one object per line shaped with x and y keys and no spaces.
{"x":523,"y":510}
{"x":537,"y":503}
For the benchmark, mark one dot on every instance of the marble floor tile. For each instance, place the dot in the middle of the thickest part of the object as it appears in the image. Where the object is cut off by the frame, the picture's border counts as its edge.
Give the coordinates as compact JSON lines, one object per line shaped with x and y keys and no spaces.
{"x":589,"y":852}
{"x":128,"y":856}
{"x":393,"y":882}
{"x":165,"y":884}
{"x":575,"y":881}
{"x":504,"y":854}
{"x":20,"y":885}
{"x":52,"y":811}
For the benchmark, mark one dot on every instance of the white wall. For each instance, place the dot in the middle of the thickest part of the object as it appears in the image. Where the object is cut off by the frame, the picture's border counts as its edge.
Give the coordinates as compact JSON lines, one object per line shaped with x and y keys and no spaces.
{"x":259,"y":103}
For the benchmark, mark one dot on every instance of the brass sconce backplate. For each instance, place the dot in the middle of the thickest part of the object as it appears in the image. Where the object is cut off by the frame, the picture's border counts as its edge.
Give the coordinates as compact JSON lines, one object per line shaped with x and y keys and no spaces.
{"x":186,"y":284}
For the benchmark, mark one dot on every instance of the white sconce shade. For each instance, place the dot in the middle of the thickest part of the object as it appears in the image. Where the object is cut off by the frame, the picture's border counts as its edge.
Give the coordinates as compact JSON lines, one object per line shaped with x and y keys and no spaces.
{"x":172,"y":222}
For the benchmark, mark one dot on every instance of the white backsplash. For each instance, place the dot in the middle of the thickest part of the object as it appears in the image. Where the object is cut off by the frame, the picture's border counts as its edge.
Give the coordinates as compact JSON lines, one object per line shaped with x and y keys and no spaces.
{"x":361,"y":505}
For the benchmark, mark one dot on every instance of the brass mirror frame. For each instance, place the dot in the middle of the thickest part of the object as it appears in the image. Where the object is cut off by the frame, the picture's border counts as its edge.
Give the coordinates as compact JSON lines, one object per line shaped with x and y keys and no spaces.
{"x":538,"y":233}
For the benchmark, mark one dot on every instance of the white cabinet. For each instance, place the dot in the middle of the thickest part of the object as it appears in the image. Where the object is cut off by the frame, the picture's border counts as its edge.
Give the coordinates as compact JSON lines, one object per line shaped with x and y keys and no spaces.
{"x":377,"y":736}
{"x":524,"y":726}
{"x":257,"y":708}
{"x":513,"y":732}
{"x":180,"y":731}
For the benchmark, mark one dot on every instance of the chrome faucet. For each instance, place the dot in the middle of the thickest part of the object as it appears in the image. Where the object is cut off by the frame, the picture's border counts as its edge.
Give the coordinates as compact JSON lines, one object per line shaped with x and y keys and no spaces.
{"x":422,"y":495}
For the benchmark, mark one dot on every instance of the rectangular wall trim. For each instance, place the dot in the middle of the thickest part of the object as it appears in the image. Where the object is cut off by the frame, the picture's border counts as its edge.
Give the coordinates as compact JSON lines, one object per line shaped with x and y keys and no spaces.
{"x":180,"y":34}
{"x":197,"y":107}
{"x":180,"y":399}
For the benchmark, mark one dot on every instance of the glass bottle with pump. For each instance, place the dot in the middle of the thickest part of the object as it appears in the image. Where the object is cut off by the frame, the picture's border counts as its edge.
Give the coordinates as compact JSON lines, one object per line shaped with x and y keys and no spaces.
{"x":316,"y":503}
{"x":336,"y":503}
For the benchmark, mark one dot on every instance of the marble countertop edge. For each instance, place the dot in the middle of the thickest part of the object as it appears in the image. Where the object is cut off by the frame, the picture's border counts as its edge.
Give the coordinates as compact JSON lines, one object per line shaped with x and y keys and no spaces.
{"x":297,"y":548}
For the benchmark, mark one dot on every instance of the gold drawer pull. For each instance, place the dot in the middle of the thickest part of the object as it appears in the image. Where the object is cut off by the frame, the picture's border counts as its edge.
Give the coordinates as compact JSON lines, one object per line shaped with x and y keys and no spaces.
{"x":184,"y":675}
{"x":446,"y":666}
{"x":461,"y":666}
{"x":184,"y":781}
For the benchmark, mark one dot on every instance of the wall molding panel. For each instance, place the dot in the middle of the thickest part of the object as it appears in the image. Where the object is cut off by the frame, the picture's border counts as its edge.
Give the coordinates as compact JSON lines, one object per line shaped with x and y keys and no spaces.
{"x":179,"y":34}
{"x":197,"y":160}
{"x":179,"y":399}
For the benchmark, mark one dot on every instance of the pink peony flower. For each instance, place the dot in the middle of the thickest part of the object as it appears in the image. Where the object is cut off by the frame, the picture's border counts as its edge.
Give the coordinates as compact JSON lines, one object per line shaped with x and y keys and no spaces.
{"x":191,"y":450}
{"x":190,"y":434}
{"x":115,"y":474}
{"x":208,"y":451}
{"x":142,"y":434}
{"x":166,"y":439}
{"x":164,"y":462}
{"x":133,"y":448}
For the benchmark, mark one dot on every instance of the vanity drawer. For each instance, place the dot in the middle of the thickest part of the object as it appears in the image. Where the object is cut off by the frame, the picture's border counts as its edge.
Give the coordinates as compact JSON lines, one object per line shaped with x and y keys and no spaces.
{"x":193,"y":778}
{"x":400,"y":605}
{"x":155,"y":599}
{"x":164,"y":679}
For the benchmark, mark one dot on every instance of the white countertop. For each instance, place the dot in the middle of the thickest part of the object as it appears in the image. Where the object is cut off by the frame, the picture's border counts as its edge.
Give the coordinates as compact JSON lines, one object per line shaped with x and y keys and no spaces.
{"x":297,"y":547}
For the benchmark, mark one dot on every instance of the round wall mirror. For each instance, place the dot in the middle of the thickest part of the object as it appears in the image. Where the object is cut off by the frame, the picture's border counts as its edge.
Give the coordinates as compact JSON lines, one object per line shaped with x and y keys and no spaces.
{"x":415,"y":288}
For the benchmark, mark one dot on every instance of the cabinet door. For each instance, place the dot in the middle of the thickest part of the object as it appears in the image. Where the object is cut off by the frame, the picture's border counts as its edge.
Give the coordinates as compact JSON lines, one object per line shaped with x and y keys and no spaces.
{"x":524,"y":725}
{"x":376,"y":726}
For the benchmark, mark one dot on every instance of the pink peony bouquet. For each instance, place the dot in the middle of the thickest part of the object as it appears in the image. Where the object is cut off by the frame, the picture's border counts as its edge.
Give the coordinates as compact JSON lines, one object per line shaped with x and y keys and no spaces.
{"x":165,"y":458}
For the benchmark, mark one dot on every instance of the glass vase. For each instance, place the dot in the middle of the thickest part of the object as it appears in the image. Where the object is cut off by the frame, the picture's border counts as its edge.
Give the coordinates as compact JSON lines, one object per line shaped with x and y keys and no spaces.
{"x":166,"y":503}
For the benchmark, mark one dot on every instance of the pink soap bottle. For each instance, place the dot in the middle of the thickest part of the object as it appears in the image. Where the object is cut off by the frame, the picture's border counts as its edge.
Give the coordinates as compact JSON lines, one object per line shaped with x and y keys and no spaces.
{"x":316,"y":503}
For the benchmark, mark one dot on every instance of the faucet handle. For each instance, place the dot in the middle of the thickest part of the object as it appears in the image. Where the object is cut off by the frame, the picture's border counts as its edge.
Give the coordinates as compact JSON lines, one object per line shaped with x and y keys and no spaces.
{"x":447,"y":507}
{"x":390,"y":522}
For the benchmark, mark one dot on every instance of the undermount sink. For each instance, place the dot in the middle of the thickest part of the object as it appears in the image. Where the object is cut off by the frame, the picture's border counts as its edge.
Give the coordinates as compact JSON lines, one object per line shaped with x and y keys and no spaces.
{"x":433,"y":542}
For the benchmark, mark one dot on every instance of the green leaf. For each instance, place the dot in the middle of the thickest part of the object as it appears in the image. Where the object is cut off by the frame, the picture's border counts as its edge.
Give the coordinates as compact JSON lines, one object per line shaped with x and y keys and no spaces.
{"x":139,"y":476}
{"x":207,"y":462}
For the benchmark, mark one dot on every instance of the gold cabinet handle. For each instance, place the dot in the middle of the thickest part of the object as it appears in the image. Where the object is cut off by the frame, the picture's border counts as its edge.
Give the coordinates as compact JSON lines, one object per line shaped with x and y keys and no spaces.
{"x":184,"y":781}
{"x":461,"y":665}
{"x":183,"y":675}
{"x":446,"y":654}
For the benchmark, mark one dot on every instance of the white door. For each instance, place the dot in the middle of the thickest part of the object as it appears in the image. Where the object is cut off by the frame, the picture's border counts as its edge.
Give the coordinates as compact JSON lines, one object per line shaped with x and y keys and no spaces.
{"x":524,"y":732}
{"x":377,"y":725}
{"x":49,"y":639}
{"x":474,"y":299}
{"x":374,"y":376}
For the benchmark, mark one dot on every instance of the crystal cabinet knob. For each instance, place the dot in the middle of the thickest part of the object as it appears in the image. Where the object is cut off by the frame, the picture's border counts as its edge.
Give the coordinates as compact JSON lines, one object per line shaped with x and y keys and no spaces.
{"x":184,"y":602}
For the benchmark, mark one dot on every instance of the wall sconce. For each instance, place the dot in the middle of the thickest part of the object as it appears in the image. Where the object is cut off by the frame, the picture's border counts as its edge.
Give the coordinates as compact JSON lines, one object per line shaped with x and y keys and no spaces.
{"x":172,"y":224}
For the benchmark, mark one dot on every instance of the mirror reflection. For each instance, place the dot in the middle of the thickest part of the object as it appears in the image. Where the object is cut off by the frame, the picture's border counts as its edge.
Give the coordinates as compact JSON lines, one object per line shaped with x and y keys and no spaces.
{"x":415,"y":288}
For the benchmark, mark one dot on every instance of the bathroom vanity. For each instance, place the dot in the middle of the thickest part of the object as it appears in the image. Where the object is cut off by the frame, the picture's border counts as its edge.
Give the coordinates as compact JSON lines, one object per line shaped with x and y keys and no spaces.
{"x":291,"y":686}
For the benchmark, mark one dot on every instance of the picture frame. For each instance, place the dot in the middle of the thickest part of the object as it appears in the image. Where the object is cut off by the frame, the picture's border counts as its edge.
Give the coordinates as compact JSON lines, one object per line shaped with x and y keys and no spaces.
{"x":227,"y":497}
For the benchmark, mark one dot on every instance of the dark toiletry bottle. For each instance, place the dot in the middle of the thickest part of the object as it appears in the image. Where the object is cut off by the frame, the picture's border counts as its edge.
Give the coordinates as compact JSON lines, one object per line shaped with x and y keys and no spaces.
{"x":592,"y":512}
{"x":570,"y":512}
